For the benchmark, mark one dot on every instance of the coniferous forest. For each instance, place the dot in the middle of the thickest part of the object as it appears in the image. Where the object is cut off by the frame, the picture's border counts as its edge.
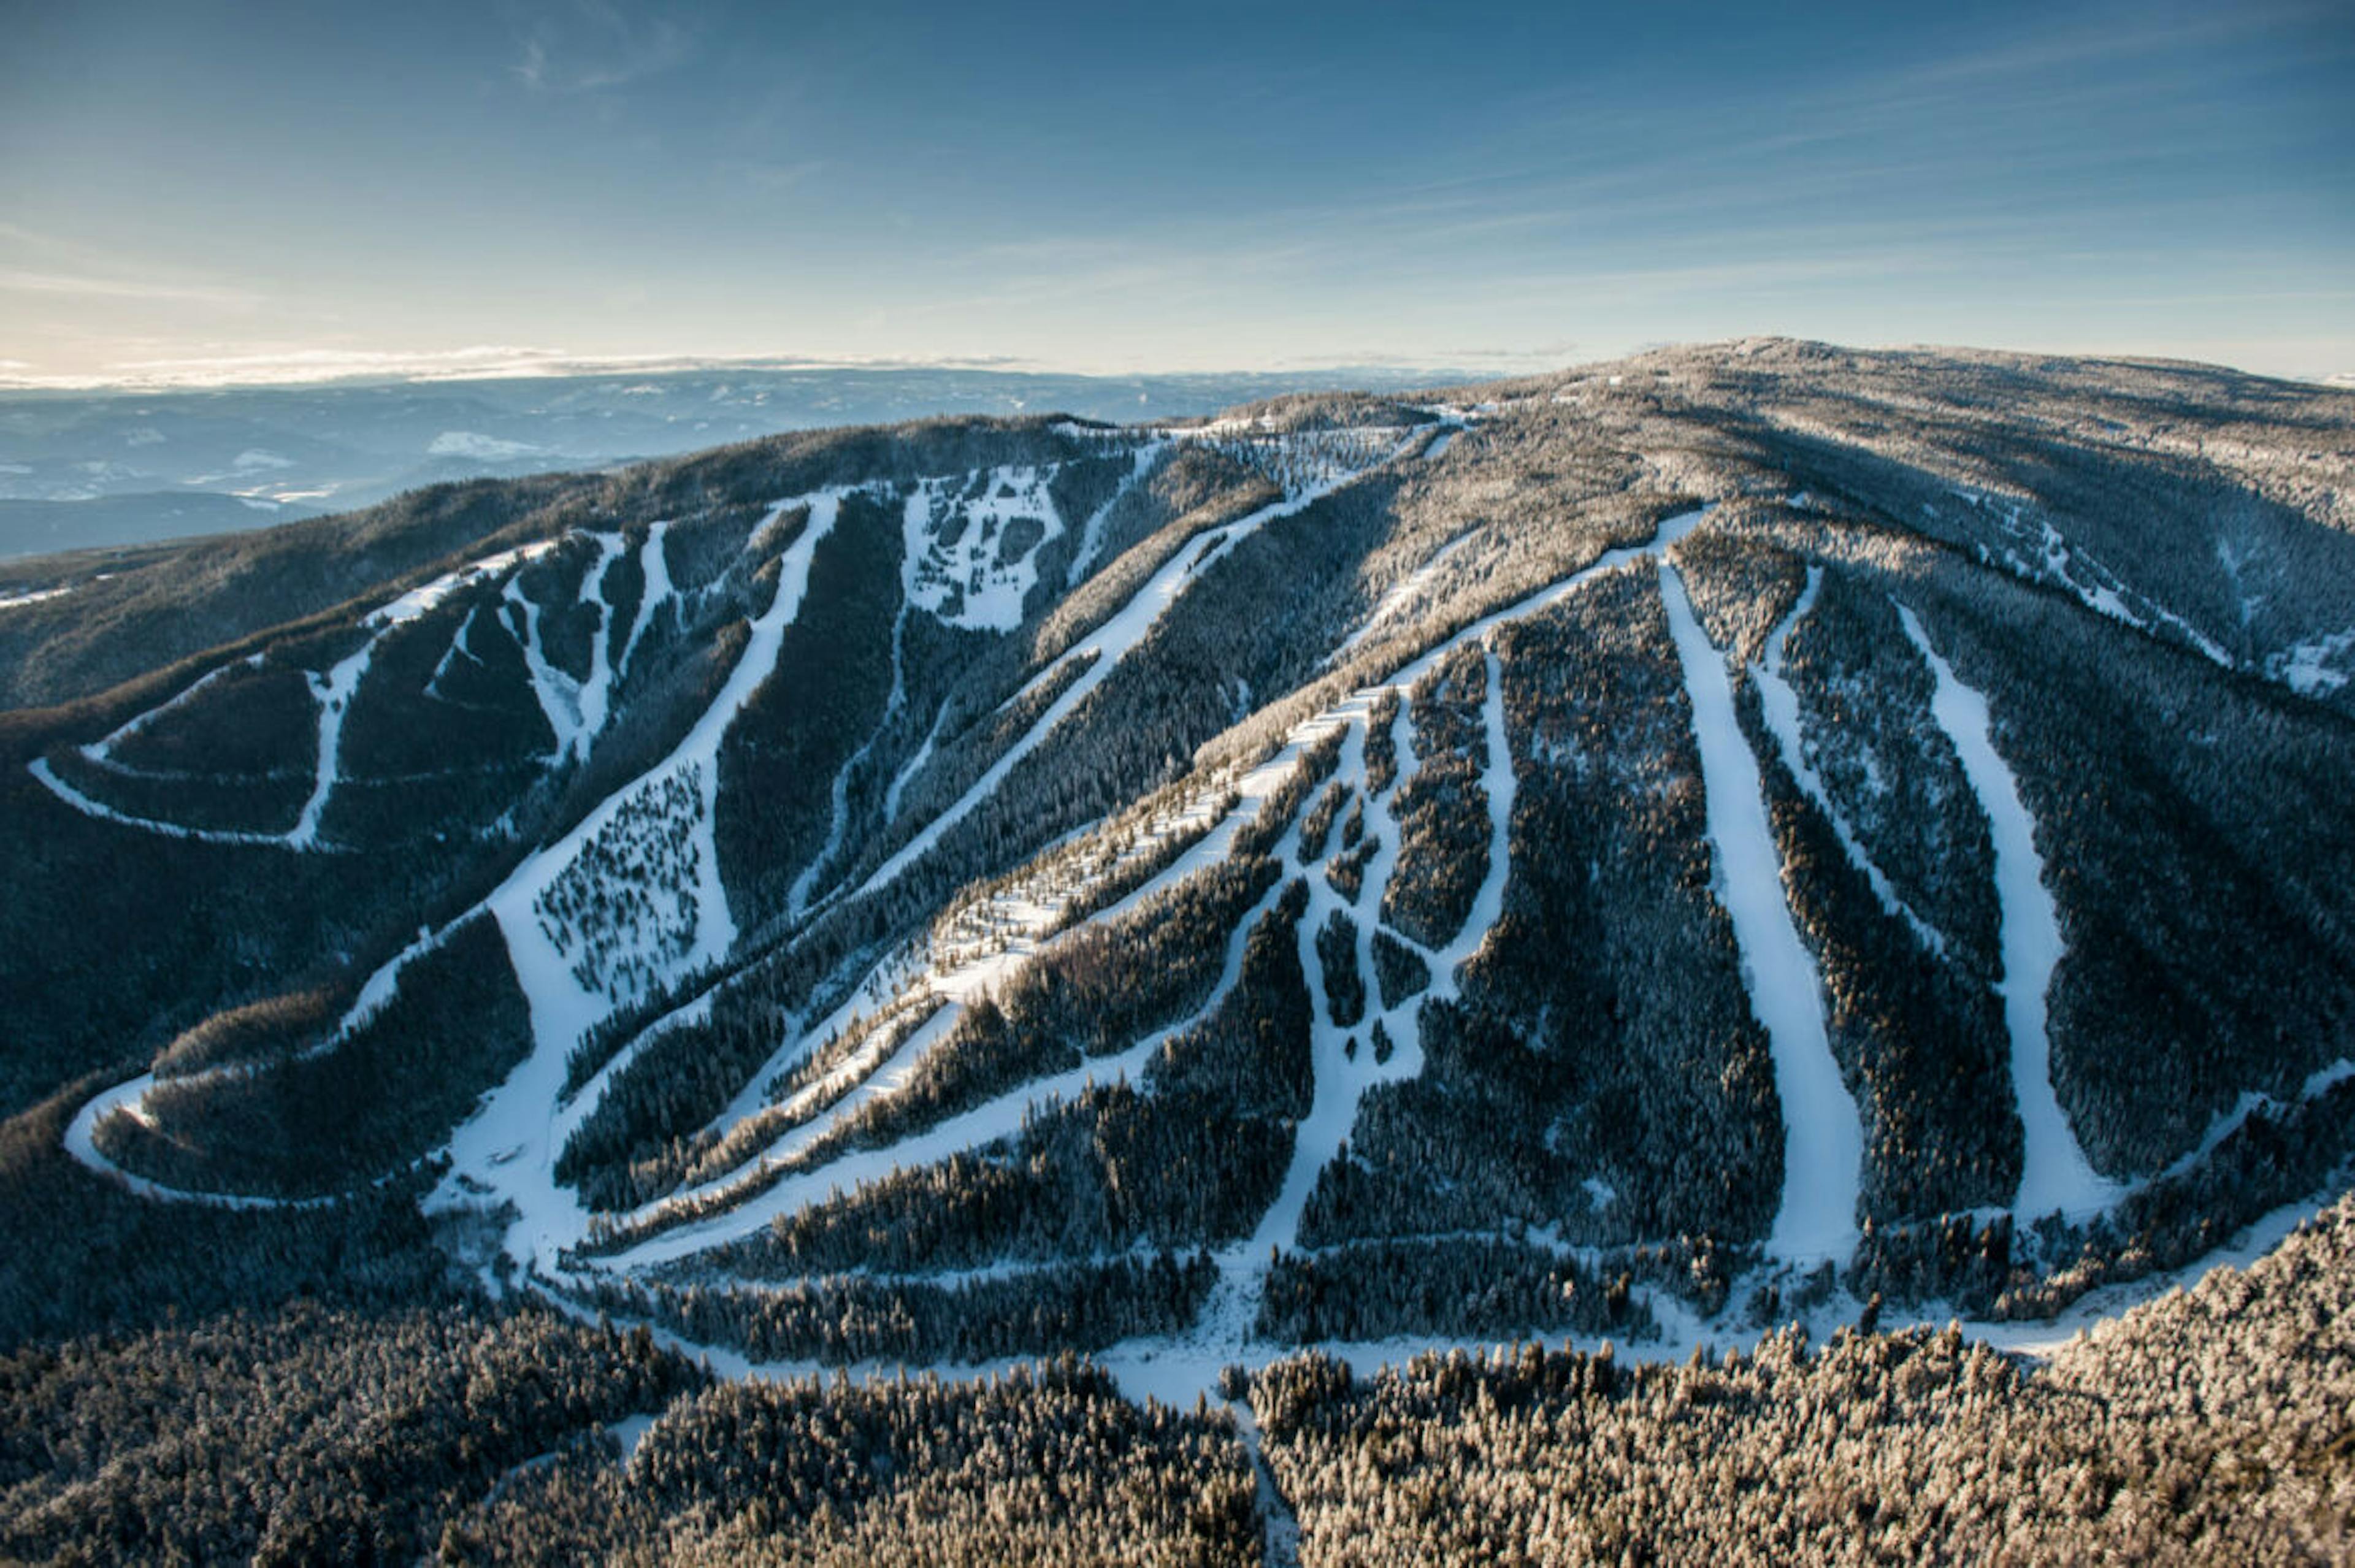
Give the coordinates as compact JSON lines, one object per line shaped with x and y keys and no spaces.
{"x":1746,"y":953}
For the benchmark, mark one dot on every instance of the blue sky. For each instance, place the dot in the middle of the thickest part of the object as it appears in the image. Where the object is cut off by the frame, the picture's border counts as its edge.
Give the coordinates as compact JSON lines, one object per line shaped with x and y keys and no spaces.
{"x":195,"y":189}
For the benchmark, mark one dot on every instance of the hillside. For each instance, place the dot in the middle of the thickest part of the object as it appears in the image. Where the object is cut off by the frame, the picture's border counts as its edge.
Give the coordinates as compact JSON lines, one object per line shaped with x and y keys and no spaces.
{"x":1741,"y":835}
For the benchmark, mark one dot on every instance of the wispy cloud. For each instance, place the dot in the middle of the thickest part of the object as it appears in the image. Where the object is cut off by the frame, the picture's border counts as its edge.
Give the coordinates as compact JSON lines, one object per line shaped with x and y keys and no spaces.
{"x":590,"y":44}
{"x":297,"y":366}
{"x":290,"y":364}
{"x":91,"y":286}
{"x":33,"y":262}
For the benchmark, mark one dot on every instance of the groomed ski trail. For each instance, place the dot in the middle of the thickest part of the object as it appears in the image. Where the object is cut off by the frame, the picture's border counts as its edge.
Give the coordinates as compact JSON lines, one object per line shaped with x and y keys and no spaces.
{"x":1823,"y":1135}
{"x":2055,"y":1174}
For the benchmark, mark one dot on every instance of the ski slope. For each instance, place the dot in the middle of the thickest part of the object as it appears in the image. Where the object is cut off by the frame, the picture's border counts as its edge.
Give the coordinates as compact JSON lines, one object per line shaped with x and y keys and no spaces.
{"x":1823,"y":1135}
{"x":2055,"y":1176}
{"x":775,"y":1146}
{"x":1780,"y":707}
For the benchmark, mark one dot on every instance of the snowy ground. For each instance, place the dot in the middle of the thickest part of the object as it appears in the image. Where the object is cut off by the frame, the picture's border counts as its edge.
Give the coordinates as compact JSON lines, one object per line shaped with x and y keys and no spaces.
{"x":1780,"y":706}
{"x":777,"y":1156}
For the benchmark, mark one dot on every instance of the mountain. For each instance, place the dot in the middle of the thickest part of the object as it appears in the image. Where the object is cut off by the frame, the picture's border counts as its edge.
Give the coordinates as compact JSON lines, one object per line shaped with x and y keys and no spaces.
{"x":1742,"y":835}
{"x":85,"y":469}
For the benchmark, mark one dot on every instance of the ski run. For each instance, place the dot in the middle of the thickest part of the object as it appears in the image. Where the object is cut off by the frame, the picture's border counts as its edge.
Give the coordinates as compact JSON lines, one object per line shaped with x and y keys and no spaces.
{"x":1823,"y":1135}
{"x":775,"y":1154}
{"x":2054,"y":1173}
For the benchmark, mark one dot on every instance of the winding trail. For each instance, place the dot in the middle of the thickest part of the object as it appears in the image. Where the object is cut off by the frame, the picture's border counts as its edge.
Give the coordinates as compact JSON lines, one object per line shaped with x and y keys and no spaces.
{"x":1110,"y":642}
{"x":333,"y":691}
{"x":509,"y":1145}
{"x":504,"y":1155}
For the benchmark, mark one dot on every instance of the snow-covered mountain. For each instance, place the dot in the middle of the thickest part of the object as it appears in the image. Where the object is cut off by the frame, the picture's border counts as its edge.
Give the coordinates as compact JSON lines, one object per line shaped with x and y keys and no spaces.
{"x":1646,"y":851}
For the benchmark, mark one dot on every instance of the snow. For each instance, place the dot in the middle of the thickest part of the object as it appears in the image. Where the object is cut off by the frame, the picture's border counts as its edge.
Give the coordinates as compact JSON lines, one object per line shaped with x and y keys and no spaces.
{"x":654,"y":566}
{"x":1669,"y":532}
{"x":1119,"y":636}
{"x":2053,"y":559}
{"x":576,"y":710}
{"x":333,"y":691}
{"x":461,"y":647}
{"x":2054,"y":1172}
{"x":474,"y":444}
{"x":797,"y":901}
{"x":34,"y":596}
{"x":1092,"y":531}
{"x":881,"y":1066}
{"x":996,"y":1118}
{"x":419,"y":600}
{"x":631,"y":1431}
{"x":81,"y":1143}
{"x":1407,"y":593}
{"x":508,"y":1147}
{"x":978,"y":947}
{"x":39,"y":768}
{"x":913,"y":766}
{"x":101,"y":750}
{"x":1340,"y":1081}
{"x":956,"y":565}
{"x":2307,"y":668}
{"x":1823,"y":1135}
{"x":502,"y":1157}
{"x":2250,"y":1102}
{"x":1780,"y":706}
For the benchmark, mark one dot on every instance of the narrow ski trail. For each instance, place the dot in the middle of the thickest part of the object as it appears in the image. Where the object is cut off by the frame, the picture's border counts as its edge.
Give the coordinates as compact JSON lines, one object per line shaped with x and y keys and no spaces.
{"x":576,"y":708}
{"x":1779,"y":705}
{"x":1823,"y":1135}
{"x":2054,"y":1173}
{"x":1107,"y":647}
{"x":333,"y":691}
{"x":504,"y":1155}
{"x":509,"y":1145}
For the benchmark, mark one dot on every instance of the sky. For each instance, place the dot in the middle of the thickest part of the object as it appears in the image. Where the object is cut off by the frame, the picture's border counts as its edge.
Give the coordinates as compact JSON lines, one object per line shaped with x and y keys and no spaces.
{"x":192,"y":190}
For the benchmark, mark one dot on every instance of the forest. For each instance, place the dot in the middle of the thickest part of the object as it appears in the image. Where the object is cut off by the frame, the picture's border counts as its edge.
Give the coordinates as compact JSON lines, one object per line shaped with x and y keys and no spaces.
{"x":850,"y":995}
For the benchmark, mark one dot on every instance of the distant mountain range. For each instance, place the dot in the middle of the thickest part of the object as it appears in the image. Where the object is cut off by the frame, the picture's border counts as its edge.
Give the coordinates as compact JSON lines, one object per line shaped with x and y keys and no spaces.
{"x":84,"y":469}
{"x":1735,"y":836}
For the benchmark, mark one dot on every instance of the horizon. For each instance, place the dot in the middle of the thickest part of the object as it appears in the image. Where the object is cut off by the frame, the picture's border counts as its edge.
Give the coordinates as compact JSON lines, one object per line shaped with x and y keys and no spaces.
{"x":216,"y":194}
{"x":471,"y":366}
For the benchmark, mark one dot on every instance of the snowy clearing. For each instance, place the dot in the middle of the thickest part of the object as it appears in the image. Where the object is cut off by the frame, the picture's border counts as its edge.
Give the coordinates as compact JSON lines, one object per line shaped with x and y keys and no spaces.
{"x":506,"y":1146}
{"x":2316,"y":666}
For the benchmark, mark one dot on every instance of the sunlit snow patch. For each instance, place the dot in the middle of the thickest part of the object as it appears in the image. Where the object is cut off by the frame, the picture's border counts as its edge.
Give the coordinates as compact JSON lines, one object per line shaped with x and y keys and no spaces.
{"x":2307,"y":668}
{"x":973,"y":545}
